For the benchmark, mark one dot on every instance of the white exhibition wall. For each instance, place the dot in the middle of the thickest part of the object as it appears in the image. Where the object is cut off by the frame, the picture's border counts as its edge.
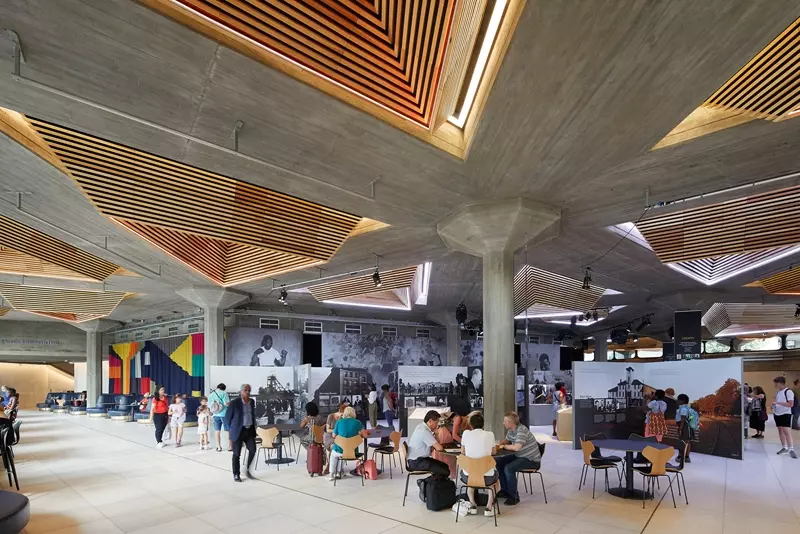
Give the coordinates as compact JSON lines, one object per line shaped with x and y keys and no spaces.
{"x":263,"y":347}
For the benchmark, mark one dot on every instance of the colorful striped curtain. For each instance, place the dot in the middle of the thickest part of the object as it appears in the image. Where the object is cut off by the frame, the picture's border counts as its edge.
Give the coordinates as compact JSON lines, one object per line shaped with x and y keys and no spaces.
{"x":177,"y":363}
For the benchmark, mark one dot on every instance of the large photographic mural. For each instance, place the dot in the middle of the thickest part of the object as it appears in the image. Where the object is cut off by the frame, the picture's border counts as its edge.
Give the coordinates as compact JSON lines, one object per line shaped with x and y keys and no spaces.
{"x":263,"y":347}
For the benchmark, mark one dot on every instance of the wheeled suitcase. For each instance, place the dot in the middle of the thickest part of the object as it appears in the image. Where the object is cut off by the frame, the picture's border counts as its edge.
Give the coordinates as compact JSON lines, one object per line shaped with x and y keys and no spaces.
{"x":315,"y":459}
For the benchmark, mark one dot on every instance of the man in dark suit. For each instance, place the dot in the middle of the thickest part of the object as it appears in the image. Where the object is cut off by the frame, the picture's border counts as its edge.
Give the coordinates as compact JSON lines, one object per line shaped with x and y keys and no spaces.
{"x":241,"y":421}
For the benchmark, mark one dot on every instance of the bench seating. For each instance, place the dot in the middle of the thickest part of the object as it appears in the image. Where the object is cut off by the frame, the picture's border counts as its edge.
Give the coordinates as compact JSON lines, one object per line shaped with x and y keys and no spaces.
{"x":103,"y":404}
{"x":68,"y":398}
{"x":50,"y":402}
{"x":122,"y":409}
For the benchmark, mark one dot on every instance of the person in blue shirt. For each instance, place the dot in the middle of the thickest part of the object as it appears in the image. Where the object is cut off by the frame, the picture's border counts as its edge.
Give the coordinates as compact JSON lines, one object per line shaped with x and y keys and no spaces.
{"x":221,"y":396}
{"x":347,"y":427}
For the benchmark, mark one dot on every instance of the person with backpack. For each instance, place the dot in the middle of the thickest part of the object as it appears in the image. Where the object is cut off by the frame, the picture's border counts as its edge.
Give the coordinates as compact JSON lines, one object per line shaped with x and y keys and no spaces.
{"x":688,"y":423}
{"x":782,"y":412}
{"x":218,"y":402}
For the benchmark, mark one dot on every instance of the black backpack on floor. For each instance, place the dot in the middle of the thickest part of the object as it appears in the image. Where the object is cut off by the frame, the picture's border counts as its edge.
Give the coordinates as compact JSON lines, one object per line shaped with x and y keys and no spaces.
{"x":440,"y":493}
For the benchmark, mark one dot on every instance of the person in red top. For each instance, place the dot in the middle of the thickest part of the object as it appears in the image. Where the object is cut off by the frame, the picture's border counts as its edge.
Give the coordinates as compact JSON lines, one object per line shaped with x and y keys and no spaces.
{"x":158,"y":414}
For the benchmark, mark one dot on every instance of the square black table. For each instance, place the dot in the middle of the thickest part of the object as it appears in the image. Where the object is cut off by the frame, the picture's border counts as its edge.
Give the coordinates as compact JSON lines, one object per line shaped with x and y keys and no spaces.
{"x":629,"y":446}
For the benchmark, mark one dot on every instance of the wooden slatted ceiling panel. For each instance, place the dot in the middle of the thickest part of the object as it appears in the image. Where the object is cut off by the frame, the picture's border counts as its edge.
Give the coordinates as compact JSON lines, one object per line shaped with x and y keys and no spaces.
{"x":363,"y":285}
{"x":535,"y":286}
{"x":716,"y":319}
{"x":70,"y":317}
{"x":134,"y":186}
{"x":13,"y":262}
{"x":48,"y":299}
{"x":4,"y":311}
{"x":714,"y":268}
{"x":392,"y":56}
{"x":62,"y":256}
{"x":758,"y":222}
{"x":223,"y":262}
{"x":751,"y":316}
{"x":768,"y":87}
{"x":783,"y":281}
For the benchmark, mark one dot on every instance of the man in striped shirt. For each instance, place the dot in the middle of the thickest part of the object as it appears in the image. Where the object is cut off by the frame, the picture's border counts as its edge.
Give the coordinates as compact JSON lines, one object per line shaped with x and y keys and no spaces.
{"x":520,"y":440}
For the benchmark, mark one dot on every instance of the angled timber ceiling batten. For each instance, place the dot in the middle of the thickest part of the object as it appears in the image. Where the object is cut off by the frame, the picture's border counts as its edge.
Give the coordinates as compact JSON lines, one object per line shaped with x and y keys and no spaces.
{"x":783,"y":282}
{"x":228,"y":230}
{"x":404,"y":61}
{"x":716,"y":269}
{"x":765,"y":88}
{"x":26,"y":251}
{"x":748,"y":224}
{"x":535,"y":286}
{"x":364,"y":285}
{"x":4,"y":311}
{"x":57,"y":300}
{"x":69,"y":317}
{"x":724,"y":319}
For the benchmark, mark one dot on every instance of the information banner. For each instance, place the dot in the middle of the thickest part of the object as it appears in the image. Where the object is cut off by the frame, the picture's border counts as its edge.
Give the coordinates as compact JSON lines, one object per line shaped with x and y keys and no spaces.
{"x":668,"y":351}
{"x":688,"y":333}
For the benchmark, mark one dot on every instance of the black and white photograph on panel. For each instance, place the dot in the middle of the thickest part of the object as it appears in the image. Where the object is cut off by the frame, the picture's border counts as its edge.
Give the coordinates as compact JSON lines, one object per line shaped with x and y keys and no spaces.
{"x":380,"y":356}
{"x":471,"y":352}
{"x":263,"y":347}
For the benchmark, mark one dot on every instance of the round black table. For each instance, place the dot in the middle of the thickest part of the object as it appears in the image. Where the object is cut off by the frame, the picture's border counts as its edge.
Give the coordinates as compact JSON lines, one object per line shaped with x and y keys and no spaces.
{"x":629,"y":446}
{"x":282,"y":427}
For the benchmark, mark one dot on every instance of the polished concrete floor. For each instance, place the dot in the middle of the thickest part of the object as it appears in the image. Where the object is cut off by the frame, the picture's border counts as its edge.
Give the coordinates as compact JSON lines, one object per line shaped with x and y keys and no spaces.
{"x":98,"y":476}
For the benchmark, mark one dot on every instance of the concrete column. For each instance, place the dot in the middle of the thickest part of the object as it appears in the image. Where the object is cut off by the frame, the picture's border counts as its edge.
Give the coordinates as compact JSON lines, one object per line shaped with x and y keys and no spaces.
{"x":494,"y":230}
{"x":95,"y":350}
{"x":453,"y":335}
{"x":213,"y":301}
{"x":601,"y":346}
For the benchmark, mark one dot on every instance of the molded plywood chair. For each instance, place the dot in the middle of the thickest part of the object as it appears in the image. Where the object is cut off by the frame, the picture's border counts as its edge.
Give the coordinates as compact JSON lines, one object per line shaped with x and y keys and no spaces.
{"x":349,"y":447}
{"x":409,"y":471}
{"x":268,"y":445}
{"x":678,"y":469}
{"x":658,"y":459}
{"x":589,"y":462}
{"x":394,"y":438}
{"x":476,"y":467}
{"x":530,"y":472}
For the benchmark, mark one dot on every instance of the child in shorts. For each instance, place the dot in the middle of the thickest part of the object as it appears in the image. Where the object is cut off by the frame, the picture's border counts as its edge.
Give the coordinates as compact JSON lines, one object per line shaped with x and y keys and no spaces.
{"x":203,"y":422}
{"x":177,"y":416}
{"x":685,"y":431}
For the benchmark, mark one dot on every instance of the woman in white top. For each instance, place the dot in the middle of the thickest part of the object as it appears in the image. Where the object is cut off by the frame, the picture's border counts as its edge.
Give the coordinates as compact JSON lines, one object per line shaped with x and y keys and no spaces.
{"x":655,"y":422}
{"x":479,"y":443}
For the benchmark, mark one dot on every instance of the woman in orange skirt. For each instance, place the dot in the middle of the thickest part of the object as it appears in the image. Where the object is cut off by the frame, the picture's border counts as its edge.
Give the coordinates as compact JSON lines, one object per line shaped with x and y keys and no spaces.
{"x":655,"y":423}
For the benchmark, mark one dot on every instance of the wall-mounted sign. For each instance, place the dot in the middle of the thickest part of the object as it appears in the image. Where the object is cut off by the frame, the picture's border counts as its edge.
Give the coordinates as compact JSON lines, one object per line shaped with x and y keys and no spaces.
{"x":14,"y":341}
{"x":688,"y":332}
{"x":668,"y":351}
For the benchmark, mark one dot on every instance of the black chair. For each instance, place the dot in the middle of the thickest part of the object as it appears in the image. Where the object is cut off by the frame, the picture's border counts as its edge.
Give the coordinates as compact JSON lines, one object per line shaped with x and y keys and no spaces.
{"x":530,"y":472}
{"x":678,"y":469}
{"x":639,"y":460}
{"x":598,"y":454}
{"x":7,"y":440}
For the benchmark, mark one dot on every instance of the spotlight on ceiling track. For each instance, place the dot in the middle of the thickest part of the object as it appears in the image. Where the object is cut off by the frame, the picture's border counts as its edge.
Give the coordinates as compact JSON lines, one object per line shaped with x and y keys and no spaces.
{"x":797,"y":311}
{"x":671,"y":332}
{"x":644,"y":324}
{"x":573,"y":320}
{"x":376,"y":276}
{"x":587,"y":278}
{"x":461,"y":313}
{"x":283,"y":295}
{"x":594,"y":315}
{"x":587,"y":316}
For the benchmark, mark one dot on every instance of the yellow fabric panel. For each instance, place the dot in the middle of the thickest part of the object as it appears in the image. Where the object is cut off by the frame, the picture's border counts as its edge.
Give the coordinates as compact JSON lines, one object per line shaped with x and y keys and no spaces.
{"x":195,"y":394}
{"x":126,"y":351}
{"x":183,"y":355}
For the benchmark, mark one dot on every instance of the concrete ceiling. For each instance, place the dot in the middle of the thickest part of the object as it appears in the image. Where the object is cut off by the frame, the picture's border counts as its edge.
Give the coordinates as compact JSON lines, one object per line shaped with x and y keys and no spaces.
{"x":582,"y":95}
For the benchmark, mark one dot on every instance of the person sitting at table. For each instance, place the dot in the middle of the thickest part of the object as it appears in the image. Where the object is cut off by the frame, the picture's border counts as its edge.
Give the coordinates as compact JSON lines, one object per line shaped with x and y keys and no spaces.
{"x":419,"y":448}
{"x":347,"y":427}
{"x":327,"y":436}
{"x":312,"y":418}
{"x":479,"y":443}
{"x":520,"y":440}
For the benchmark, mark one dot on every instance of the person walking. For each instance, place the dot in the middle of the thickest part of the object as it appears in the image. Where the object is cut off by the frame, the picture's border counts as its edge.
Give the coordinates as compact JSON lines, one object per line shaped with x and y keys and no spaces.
{"x":158,"y":414}
{"x":758,"y":411}
{"x":782,"y":412}
{"x":521,"y":441}
{"x":559,"y":402}
{"x":241,"y":420}
{"x":796,"y":407}
{"x":388,"y":405}
{"x":372,"y":400}
{"x":219,"y":400}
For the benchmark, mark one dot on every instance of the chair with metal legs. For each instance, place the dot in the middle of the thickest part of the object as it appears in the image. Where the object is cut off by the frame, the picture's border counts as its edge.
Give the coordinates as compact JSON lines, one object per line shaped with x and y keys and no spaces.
{"x":595,"y":464}
{"x":678,"y":469}
{"x":409,"y":471}
{"x":476,"y":467}
{"x":530,"y":472}
{"x":394,"y":438}
{"x":657,"y":468}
